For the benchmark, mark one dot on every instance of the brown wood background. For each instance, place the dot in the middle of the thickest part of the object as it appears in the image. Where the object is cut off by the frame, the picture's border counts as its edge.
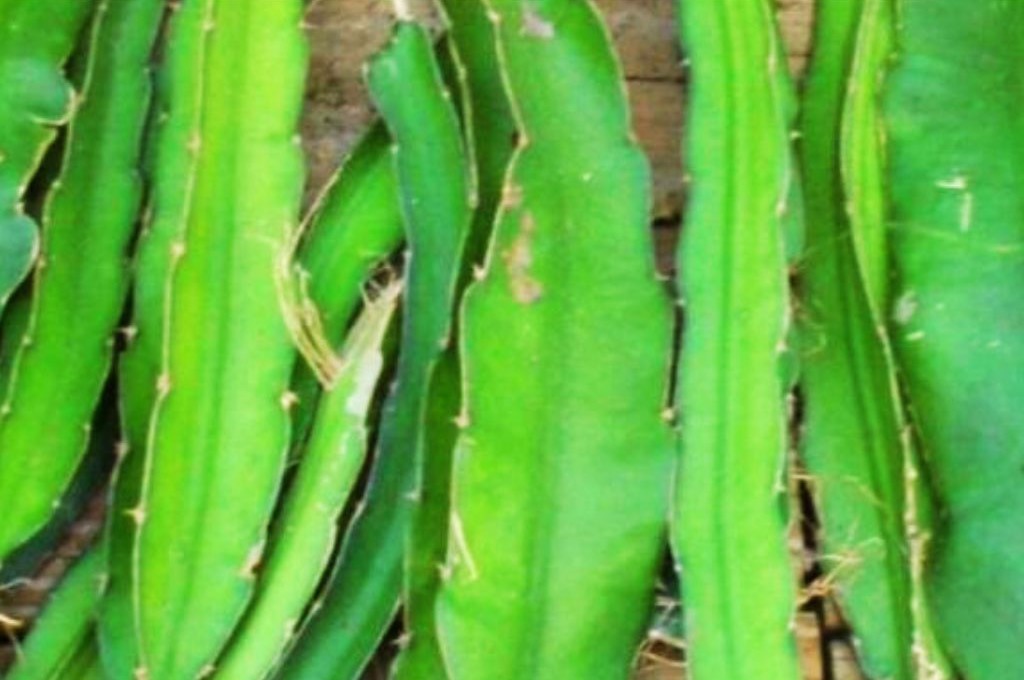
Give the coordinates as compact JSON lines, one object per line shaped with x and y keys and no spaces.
{"x":343,"y":34}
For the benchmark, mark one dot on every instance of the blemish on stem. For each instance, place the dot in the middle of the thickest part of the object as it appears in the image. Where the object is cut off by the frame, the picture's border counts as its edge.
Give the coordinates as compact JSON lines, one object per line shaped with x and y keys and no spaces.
{"x":512,"y":196}
{"x":905,"y":308}
{"x":535,"y":25}
{"x":519,"y":261}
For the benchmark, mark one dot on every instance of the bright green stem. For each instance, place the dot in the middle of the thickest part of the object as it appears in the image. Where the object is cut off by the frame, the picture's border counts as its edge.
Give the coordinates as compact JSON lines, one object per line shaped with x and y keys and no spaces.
{"x":420,"y":657}
{"x":139,"y":365}
{"x":92,"y":475}
{"x":956,"y":244}
{"x":566,"y":339}
{"x":81,"y":279}
{"x":228,"y":183}
{"x":490,"y":131}
{"x":79,"y":662}
{"x":115,"y":626}
{"x":863,"y":168}
{"x":85,"y":664}
{"x":64,"y":633}
{"x":36,"y":37}
{"x":853,"y":444}
{"x":862,"y":147}
{"x":304,"y":534}
{"x":357,"y":226}
{"x":731,"y":511}
{"x":363,"y":595}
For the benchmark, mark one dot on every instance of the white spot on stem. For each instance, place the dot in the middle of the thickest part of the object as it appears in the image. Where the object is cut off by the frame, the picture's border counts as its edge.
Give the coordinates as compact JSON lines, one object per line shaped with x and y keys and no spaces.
{"x":905,"y":308}
{"x":961,"y":183}
{"x":966,"y":211}
{"x":535,"y":25}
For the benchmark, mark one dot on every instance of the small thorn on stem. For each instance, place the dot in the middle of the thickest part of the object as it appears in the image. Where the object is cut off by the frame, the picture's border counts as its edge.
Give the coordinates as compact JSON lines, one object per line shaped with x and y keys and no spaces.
{"x":137,"y":515}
